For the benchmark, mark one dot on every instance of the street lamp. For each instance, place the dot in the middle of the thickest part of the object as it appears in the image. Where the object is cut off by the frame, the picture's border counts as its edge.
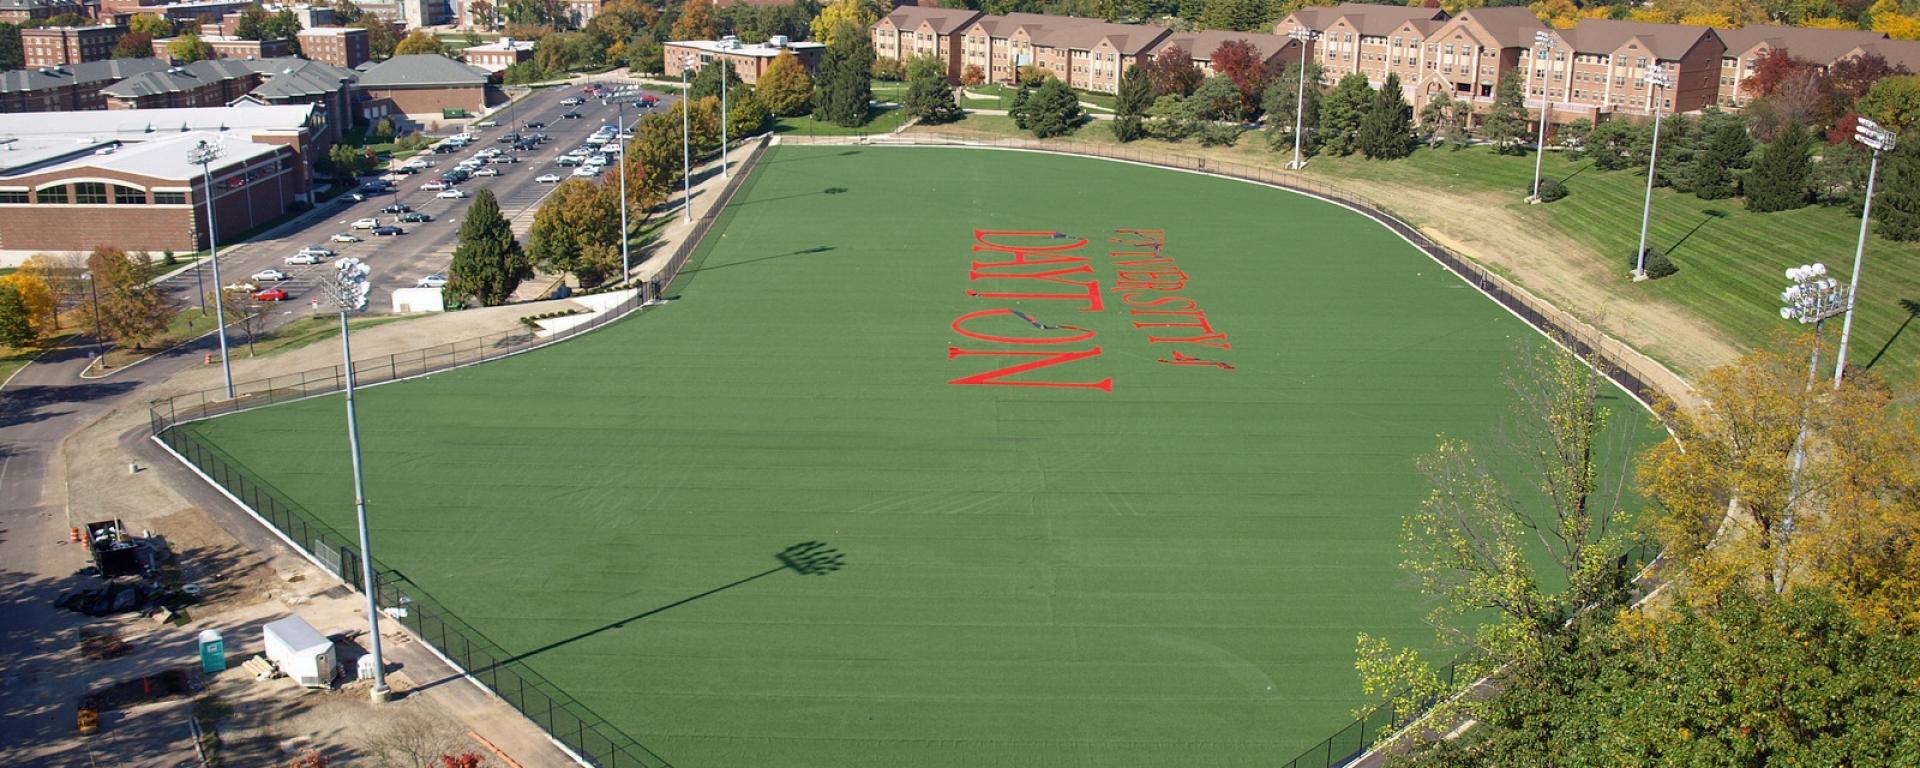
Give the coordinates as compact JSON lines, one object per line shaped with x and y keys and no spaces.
{"x":348,"y":289}
{"x":1656,"y":78}
{"x":1306,"y":38}
{"x":623,"y":97}
{"x":1812,"y":298}
{"x":1544,"y":39}
{"x":1879,"y":140}
{"x":686,"y":150}
{"x":204,"y":154}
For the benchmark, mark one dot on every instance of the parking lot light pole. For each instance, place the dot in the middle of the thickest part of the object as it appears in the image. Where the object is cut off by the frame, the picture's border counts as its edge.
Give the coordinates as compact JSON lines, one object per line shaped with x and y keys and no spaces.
{"x":1656,"y":78}
{"x":203,"y":154}
{"x":1306,"y":38}
{"x":349,"y":290}
{"x":1545,"y":40}
{"x":1879,"y":140}
{"x":686,"y":138}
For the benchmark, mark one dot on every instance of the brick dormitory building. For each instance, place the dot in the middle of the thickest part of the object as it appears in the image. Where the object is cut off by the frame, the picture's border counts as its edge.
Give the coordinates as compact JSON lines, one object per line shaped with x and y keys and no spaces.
{"x":1594,"y":70}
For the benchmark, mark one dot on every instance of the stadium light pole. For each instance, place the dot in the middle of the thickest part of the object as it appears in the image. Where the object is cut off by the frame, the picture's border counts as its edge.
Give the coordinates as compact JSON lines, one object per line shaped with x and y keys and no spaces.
{"x":1879,"y":140}
{"x":1811,"y":298}
{"x":1306,"y":38}
{"x":204,"y":154}
{"x":624,"y":97}
{"x":686,"y":138}
{"x":1545,"y":40}
{"x":1656,"y":78}
{"x":348,"y":289}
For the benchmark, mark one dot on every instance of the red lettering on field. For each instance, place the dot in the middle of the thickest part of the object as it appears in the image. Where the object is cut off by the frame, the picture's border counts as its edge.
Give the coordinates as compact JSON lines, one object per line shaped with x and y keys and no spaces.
{"x":1181,"y":358}
{"x":1048,"y":359}
{"x":1156,"y":301}
{"x":960,"y":321}
{"x":981,"y":243}
{"x":1215,"y":340}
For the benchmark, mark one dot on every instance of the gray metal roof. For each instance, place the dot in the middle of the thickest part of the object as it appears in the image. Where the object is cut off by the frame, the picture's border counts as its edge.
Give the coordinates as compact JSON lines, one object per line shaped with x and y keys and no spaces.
{"x":178,"y":79}
{"x":425,"y":70}
{"x":291,"y":78}
{"x":44,"y":78}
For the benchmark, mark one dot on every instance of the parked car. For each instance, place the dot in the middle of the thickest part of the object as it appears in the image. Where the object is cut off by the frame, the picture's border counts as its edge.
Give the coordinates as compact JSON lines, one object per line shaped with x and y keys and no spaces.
{"x":388,"y":231}
{"x":536,"y":125}
{"x":442,"y":149}
{"x":417,"y":163}
{"x":304,"y":258}
{"x":241,"y":287}
{"x":586,"y":171}
{"x":568,"y":161}
{"x":270,"y":294}
{"x":547,"y":178}
{"x":486,"y":124}
{"x":345,"y":237}
{"x":396,"y":208}
{"x":416,"y":217}
{"x":505,"y":159}
{"x":487,"y":171}
{"x":314,"y":250}
{"x":366,"y":223}
{"x":375,"y":187}
{"x":572,"y":101}
{"x":508,"y":138}
{"x":431,"y":281}
{"x":570,"y":115}
{"x":269,"y":276}
{"x":455,"y":176}
{"x":451,"y":194}
{"x":433,"y":186}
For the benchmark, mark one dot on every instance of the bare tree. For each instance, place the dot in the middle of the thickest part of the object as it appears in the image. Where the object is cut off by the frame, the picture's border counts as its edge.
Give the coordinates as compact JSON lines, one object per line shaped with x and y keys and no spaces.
{"x":409,"y":737}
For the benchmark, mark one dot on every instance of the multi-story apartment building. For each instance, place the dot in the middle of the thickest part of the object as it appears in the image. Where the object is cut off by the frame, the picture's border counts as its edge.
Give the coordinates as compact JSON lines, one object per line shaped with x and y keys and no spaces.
{"x":1083,"y":53}
{"x":912,"y":31}
{"x":340,"y":46}
{"x":1274,"y":50}
{"x":50,"y":46}
{"x":749,"y":61}
{"x":16,"y":11}
{"x":498,"y":55}
{"x":1600,"y":67}
{"x":1822,"y":47}
{"x":212,"y":83}
{"x":225,"y":47}
{"x":67,"y":88}
{"x":1360,"y":37}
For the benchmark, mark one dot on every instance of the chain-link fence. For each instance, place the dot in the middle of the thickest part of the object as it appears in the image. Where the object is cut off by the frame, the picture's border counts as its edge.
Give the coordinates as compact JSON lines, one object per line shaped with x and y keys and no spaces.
{"x":1632,"y":371}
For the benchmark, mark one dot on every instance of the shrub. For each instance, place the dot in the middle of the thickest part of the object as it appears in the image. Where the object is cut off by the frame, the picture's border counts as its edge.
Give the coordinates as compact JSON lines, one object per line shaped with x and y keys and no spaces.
{"x":889,"y":69}
{"x":1658,"y":265}
{"x":1551,"y":190}
{"x":1218,"y":134}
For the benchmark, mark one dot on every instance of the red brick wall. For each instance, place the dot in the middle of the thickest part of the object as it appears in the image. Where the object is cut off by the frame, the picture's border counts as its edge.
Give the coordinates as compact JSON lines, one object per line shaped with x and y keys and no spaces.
{"x":420,"y":101}
{"x":144,"y":227}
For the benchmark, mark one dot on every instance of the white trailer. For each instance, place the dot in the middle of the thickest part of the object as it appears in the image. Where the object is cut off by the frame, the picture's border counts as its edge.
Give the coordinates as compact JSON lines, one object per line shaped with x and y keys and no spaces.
{"x":300,"y":651}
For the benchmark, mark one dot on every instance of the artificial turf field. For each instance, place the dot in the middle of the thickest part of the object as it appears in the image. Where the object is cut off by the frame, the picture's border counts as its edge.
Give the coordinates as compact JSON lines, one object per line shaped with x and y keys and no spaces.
{"x":1171,"y":572}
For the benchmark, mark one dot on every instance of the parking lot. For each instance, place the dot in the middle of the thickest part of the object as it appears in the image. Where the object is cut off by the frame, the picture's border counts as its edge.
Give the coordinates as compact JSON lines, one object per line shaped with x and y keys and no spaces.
{"x":425,"y":248}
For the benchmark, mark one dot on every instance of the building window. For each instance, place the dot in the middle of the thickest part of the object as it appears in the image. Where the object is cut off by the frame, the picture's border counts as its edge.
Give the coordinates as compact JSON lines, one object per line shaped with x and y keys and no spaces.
{"x":128,"y":196}
{"x":169,"y":198}
{"x":13,"y":197}
{"x":51,"y":195}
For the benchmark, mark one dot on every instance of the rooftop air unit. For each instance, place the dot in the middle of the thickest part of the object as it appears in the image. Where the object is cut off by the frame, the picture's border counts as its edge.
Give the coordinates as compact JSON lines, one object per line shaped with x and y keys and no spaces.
{"x":777,"y":41}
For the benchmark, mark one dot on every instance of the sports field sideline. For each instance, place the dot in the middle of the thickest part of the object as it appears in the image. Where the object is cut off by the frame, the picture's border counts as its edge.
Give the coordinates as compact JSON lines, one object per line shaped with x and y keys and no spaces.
{"x":1162,"y":559}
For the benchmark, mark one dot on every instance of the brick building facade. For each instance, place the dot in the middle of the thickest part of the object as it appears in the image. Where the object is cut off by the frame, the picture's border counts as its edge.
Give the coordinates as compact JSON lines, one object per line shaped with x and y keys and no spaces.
{"x":50,"y":46}
{"x":749,"y":61}
{"x":68,"y":88}
{"x":339,"y":46}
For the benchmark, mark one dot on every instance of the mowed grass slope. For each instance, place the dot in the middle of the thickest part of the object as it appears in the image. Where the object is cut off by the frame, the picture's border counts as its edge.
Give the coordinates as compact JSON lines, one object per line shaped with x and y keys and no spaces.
{"x":1171,"y":573}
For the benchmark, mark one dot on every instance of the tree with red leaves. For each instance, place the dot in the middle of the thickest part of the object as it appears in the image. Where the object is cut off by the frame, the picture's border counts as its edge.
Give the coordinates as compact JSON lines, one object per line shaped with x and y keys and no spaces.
{"x":1171,"y":71}
{"x":1851,"y":77}
{"x":462,"y":760}
{"x":1240,"y":62}
{"x":1777,"y":69}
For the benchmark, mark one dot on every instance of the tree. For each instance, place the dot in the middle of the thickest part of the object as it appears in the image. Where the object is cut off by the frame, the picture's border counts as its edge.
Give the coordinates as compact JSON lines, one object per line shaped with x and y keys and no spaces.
{"x":253,"y":23}
{"x":16,"y":322}
{"x":1721,"y":150}
{"x":1507,"y":126}
{"x":1240,"y":62}
{"x":381,"y":38}
{"x":889,"y":69}
{"x":420,"y":41}
{"x":1386,"y":131}
{"x":1283,"y":95}
{"x":37,"y":297}
{"x":128,"y":311}
{"x":786,"y":89}
{"x":696,"y":22}
{"x":1896,"y":212}
{"x":971,"y":74}
{"x":576,"y":215}
{"x":746,"y":116}
{"x":1172,"y":118}
{"x":852,"y":16}
{"x":154,"y":26}
{"x":133,"y":45}
{"x":1480,"y":540}
{"x":929,"y":98}
{"x":1342,"y":112}
{"x":1894,"y":103}
{"x":347,"y":161}
{"x":1130,"y":107}
{"x":845,"y":85}
{"x":1850,"y":78}
{"x":1779,"y":179}
{"x":12,"y":54}
{"x":1237,"y":15}
{"x":706,"y":81}
{"x":189,"y":48}
{"x":482,"y":14}
{"x":1610,"y":144}
{"x":645,"y":54}
{"x":1444,"y":121}
{"x":1052,"y":110}
{"x":487,"y":261}
{"x":1216,"y":99}
{"x":1172,"y":71}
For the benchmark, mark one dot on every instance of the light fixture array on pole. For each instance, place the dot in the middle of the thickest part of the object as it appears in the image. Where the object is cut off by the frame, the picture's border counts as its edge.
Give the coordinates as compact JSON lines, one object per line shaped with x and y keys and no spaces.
{"x":686,"y":139}
{"x":1657,"y":78}
{"x":1306,"y":38}
{"x":203,"y":155}
{"x":1879,"y":140}
{"x":1543,"y":40}
{"x":348,"y":289}
{"x":1811,"y":298}
{"x":624,"y":97}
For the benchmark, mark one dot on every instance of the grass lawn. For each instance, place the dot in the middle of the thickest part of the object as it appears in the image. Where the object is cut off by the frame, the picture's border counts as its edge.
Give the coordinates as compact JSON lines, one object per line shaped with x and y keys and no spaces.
{"x":997,"y":96}
{"x":304,"y":331}
{"x":185,"y":325}
{"x":880,"y":120}
{"x":1731,"y":260}
{"x":1168,"y":573}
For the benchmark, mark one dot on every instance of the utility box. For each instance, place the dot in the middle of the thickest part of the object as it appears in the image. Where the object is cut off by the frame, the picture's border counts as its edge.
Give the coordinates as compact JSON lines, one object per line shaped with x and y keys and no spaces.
{"x":300,"y":651}
{"x":213,"y":652}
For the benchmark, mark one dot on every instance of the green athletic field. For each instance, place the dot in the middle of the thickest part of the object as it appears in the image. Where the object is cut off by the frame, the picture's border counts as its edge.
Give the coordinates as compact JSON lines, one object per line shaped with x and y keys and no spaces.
{"x":1171,"y":573}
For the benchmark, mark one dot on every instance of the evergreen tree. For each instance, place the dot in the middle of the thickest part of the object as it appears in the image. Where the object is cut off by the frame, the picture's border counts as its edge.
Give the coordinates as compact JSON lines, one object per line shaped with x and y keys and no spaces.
{"x":928,"y":95}
{"x":1052,"y":110}
{"x":1282,"y":95}
{"x":1130,"y":108}
{"x":1506,"y":127}
{"x":845,"y":84}
{"x":1340,"y":115}
{"x":1779,"y":180}
{"x":12,"y":55}
{"x":1896,"y":203}
{"x":1216,"y":99}
{"x":1386,"y":132}
{"x":1721,"y":149}
{"x":1017,"y":109}
{"x":706,"y":82}
{"x":16,"y":324}
{"x":487,"y":262}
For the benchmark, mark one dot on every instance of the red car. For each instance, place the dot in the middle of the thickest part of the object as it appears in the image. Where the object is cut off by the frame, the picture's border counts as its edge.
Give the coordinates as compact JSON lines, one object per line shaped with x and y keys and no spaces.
{"x":270,"y":294}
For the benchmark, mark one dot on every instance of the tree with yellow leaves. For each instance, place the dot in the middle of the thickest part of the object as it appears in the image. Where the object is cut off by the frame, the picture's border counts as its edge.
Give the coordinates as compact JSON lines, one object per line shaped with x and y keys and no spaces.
{"x":850,"y":14}
{"x":36,"y":298}
{"x":1887,"y":18}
